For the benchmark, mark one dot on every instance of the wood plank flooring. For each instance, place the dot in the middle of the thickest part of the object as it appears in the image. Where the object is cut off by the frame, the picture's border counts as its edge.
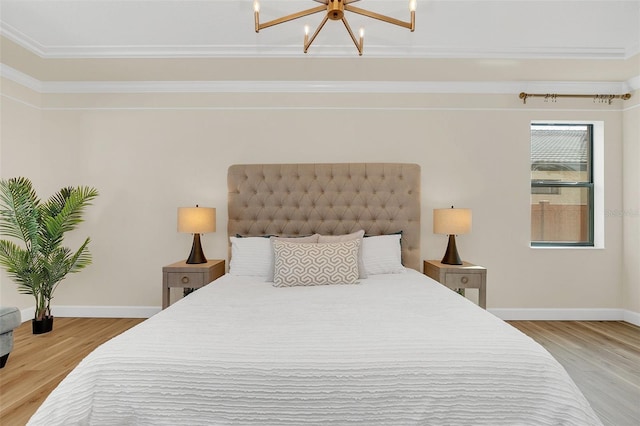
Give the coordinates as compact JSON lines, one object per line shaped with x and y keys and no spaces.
{"x":602,"y":357}
{"x":39,"y":362}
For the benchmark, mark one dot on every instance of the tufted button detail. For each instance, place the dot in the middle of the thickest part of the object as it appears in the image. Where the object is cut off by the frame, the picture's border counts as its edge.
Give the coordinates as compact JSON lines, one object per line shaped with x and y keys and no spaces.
{"x":335,"y":202}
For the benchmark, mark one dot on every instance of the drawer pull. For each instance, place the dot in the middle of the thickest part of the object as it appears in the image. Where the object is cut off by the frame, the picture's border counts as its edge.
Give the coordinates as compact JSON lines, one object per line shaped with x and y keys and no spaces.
{"x":464,"y":280}
{"x":185,"y":280}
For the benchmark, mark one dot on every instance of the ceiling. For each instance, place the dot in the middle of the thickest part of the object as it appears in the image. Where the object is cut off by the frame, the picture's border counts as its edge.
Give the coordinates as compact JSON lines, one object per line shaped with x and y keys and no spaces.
{"x":586,"y":29}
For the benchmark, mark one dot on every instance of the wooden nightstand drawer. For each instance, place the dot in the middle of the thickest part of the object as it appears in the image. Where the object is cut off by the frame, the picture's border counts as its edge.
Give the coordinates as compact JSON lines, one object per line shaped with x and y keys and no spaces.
{"x":189,"y":276}
{"x":185,"y":279}
{"x":455,"y":280}
{"x":462,"y":276}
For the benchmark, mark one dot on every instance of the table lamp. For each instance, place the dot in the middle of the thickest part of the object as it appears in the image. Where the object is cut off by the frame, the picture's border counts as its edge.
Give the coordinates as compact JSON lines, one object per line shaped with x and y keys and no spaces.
{"x":196,"y":220}
{"x":451,"y":222}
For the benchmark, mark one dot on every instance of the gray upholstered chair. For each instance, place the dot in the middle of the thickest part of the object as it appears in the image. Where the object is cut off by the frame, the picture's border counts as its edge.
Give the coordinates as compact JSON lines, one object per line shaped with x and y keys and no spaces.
{"x":10,"y":318}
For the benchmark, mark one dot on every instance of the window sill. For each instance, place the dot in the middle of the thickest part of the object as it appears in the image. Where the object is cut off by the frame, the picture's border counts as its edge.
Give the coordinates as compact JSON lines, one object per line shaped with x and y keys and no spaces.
{"x":566,"y":247}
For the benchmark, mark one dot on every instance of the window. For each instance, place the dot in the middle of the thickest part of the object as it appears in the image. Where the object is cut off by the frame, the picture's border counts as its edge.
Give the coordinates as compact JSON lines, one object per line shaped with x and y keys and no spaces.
{"x":562,"y":184}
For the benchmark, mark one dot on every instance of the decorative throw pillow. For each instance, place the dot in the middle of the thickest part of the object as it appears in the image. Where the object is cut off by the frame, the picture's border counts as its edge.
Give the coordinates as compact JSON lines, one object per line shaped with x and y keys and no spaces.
{"x":382,"y":254}
{"x":250,"y":256}
{"x":315,"y":264}
{"x":358,"y":235}
{"x":307,"y":239}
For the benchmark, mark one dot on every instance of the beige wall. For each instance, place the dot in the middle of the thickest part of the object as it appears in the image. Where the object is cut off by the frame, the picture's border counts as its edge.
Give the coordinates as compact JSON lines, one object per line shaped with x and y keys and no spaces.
{"x":630,"y":214}
{"x":20,"y":155}
{"x":150,"y":153}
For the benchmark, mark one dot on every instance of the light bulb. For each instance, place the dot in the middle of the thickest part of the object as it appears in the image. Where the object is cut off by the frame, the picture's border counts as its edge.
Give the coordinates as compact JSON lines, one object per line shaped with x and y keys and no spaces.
{"x":256,"y":6}
{"x":412,"y":5}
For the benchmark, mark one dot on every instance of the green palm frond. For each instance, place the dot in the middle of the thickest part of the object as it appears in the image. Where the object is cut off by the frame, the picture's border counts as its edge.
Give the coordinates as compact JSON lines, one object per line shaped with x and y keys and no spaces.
{"x":20,"y":267}
{"x":81,"y":259}
{"x":19,"y":211}
{"x":62,"y":213}
{"x":39,"y":266}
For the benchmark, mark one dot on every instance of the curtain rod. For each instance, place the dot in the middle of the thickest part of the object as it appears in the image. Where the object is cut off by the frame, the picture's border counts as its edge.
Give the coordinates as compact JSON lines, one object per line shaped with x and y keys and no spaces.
{"x":554,"y":96}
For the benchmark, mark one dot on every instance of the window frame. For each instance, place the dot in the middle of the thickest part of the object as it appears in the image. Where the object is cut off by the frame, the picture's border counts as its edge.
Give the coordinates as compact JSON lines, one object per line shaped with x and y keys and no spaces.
{"x":589,"y":185}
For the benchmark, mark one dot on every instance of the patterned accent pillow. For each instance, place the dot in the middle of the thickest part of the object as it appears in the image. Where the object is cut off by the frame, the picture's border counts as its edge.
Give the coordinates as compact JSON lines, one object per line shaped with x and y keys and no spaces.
{"x":358,"y":235}
{"x":299,"y":264}
{"x":307,"y":239}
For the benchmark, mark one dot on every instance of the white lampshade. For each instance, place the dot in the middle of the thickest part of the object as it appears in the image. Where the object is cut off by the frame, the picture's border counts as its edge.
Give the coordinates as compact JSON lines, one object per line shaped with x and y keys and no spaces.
{"x":451,"y":221}
{"x":196,"y":220}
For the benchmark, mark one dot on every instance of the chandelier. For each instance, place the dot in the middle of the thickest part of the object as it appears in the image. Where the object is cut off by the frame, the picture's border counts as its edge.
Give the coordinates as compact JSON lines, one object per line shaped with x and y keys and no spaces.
{"x":334,"y":10}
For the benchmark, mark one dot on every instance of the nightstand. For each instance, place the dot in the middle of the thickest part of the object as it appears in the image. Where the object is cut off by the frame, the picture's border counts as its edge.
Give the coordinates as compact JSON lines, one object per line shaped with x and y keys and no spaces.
{"x":456,"y":277}
{"x":185,"y":275}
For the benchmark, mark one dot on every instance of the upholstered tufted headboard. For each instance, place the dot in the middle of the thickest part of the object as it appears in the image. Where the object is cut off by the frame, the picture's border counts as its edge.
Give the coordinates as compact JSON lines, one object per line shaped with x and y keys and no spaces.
{"x":330,"y":199}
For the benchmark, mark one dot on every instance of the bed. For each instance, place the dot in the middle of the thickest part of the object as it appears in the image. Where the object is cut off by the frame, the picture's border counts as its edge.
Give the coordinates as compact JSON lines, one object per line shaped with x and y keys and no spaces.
{"x":392,"y":347}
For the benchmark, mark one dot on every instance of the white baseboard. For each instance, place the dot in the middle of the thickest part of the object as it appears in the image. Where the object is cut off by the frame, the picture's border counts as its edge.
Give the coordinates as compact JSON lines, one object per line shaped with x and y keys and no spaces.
{"x":632,"y":317}
{"x":524,"y":314}
{"x":595,"y":314}
{"x":96,"y":312}
{"x":27,"y":314}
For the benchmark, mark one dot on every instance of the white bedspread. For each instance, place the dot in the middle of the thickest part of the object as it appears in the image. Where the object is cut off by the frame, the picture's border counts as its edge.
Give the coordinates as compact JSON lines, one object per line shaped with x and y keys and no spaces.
{"x":394,"y":350}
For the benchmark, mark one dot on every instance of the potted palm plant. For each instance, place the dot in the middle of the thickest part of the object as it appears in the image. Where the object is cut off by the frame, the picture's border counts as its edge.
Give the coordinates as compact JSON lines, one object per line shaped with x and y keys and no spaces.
{"x":41,"y":262}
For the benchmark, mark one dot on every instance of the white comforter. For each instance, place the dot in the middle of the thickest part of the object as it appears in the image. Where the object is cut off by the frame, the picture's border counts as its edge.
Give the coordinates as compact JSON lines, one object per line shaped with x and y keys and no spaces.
{"x":394,"y":350}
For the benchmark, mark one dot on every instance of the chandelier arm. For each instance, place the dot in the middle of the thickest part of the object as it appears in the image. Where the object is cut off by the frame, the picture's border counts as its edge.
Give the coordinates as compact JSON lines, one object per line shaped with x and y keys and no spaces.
{"x":410,"y":25}
{"x":291,"y":17}
{"x":358,"y":45}
{"x":307,"y":42}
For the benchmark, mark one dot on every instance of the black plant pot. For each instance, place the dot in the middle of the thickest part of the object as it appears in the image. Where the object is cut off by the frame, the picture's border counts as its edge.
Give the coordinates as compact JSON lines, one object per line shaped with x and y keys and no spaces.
{"x":42,"y":326}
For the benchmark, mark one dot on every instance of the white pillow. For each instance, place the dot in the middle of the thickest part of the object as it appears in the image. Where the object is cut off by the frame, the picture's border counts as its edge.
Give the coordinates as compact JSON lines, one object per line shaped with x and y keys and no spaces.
{"x":358,"y":235}
{"x":382,"y":255}
{"x":302,"y":264}
{"x":251,"y":256}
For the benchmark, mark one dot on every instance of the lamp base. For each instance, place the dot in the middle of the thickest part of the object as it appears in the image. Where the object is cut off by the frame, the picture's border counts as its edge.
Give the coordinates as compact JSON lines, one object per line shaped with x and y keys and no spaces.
{"x":451,"y":256}
{"x":196,"y":255}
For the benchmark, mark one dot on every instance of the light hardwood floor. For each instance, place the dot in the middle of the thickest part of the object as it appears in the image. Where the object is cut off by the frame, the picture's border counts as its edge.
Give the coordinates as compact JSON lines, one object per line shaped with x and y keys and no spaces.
{"x":603,"y":358}
{"x":39,"y":362}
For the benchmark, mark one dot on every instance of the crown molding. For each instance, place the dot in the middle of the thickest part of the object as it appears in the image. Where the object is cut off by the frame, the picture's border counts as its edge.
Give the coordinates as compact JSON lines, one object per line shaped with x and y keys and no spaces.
{"x":633,"y":83}
{"x":21,"y":78}
{"x":294,"y":50}
{"x":22,"y":39}
{"x":448,"y":87}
